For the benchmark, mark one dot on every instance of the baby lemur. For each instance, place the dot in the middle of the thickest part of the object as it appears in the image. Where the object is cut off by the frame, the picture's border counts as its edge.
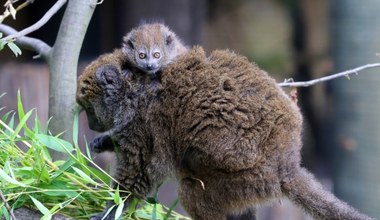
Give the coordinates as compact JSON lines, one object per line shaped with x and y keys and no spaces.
{"x":219,"y":125}
{"x":150,"y":47}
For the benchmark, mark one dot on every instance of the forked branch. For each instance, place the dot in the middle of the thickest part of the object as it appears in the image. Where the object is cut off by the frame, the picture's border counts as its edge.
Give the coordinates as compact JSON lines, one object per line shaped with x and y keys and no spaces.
{"x":58,"y":5}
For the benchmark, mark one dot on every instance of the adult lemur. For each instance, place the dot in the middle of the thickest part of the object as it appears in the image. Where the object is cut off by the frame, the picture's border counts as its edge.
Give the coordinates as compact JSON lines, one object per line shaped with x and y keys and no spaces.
{"x":218,"y":124}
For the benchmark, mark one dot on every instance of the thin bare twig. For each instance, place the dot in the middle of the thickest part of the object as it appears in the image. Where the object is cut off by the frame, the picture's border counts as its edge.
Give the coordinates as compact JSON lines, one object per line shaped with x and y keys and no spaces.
{"x":287,"y":83}
{"x":7,"y":206}
{"x":58,"y":5}
{"x":28,"y":43}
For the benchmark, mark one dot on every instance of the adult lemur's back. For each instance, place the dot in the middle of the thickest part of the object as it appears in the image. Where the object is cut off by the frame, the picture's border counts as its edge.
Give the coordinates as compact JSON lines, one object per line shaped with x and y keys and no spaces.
{"x":219,"y":123}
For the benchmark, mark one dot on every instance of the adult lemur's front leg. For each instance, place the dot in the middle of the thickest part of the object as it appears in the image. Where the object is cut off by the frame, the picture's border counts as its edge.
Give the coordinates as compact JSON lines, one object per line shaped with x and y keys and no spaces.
{"x":103,"y":143}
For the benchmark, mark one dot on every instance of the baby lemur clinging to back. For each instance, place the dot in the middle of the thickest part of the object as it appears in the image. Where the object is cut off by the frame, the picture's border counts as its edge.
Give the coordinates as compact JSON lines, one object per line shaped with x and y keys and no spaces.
{"x":218,"y":124}
{"x":150,"y":47}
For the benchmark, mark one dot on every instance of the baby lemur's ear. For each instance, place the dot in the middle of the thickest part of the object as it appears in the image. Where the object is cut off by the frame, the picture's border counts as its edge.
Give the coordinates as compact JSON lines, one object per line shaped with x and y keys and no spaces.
{"x":110,"y":82}
{"x":128,"y":41}
{"x":130,"y":44}
{"x":169,"y":39}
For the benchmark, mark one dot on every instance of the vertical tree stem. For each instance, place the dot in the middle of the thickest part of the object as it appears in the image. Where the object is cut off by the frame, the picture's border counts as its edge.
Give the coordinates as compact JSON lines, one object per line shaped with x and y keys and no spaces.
{"x":63,"y":64}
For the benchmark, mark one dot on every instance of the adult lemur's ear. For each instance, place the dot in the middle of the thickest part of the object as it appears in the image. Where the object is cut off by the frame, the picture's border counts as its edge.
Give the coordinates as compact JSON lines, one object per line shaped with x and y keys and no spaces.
{"x":110,"y":82}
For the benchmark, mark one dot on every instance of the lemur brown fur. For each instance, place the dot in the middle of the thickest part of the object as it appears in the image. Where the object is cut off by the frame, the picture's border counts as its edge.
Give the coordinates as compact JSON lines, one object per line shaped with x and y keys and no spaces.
{"x":219,"y":125}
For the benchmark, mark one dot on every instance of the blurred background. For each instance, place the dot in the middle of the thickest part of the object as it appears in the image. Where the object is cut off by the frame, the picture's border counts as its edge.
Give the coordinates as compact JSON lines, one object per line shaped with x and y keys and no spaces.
{"x":299,"y":39}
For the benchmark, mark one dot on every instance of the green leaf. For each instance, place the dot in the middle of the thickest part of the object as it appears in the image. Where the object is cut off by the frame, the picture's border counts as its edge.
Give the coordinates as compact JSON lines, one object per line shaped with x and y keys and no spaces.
{"x":54,"y":143}
{"x":63,"y":168}
{"x":20,"y":107}
{"x":45,"y":211}
{"x":58,"y":189}
{"x":142,"y":214}
{"x":87,"y":149}
{"x":133,"y":205}
{"x":119,"y":210}
{"x":21,"y":124}
{"x":11,"y":122}
{"x":43,"y":173}
{"x":2,"y":44}
{"x":9,"y":179}
{"x":5,"y":212}
{"x":6,"y":115}
{"x":116,"y":198}
{"x":75,"y":126}
{"x":99,"y":174}
{"x":14,"y":48}
{"x":84,"y":176}
{"x":108,"y":211}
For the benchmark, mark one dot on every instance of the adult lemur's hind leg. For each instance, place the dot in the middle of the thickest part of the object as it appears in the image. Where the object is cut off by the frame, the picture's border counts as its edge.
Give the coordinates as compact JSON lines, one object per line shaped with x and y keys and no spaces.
{"x":198,"y":202}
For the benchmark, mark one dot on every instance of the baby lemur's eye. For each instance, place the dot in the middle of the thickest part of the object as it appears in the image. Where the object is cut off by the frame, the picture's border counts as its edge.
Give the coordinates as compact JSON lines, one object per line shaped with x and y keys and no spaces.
{"x":142,"y":55}
{"x":156,"y":55}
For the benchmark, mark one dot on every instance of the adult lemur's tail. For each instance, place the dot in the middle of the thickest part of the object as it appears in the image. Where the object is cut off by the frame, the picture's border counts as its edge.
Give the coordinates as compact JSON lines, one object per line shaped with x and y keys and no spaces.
{"x":306,"y":192}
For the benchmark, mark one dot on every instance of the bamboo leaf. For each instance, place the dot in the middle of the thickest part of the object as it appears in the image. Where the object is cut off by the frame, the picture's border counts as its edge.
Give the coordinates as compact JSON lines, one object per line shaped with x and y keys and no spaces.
{"x":84,"y":176}
{"x":11,"y":122}
{"x":9,"y":179}
{"x":45,"y":211}
{"x":5,"y":212}
{"x":2,"y":44}
{"x":116,"y":198}
{"x":54,"y":143}
{"x":6,"y":115}
{"x":119,"y":210}
{"x":21,"y":124}
{"x":64,"y":167}
{"x":108,"y":212}
{"x":75,"y":126}
{"x":20,"y":107}
{"x":14,"y":48}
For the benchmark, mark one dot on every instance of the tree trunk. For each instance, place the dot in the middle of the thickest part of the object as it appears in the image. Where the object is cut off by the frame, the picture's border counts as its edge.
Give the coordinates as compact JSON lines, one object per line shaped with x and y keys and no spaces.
{"x":63,"y":64}
{"x":355,"y":41}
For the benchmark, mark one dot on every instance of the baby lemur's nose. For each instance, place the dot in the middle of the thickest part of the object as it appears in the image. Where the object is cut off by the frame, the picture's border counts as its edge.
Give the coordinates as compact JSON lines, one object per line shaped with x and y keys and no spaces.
{"x":150,"y":66}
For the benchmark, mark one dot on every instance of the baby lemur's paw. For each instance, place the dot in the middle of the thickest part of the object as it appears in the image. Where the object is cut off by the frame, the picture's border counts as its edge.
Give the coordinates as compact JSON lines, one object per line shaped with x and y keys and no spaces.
{"x":102,"y":143}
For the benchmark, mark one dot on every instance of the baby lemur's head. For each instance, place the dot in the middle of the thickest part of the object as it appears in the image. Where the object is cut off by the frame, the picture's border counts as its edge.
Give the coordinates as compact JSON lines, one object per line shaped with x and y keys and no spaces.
{"x":150,"y":47}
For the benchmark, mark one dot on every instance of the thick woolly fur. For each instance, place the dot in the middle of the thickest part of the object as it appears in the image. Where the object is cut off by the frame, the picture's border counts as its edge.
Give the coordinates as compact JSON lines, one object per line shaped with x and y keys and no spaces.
{"x":218,"y":124}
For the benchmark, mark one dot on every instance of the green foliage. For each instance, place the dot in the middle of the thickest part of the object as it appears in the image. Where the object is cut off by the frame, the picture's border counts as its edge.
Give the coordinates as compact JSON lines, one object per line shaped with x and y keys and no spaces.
{"x":12,"y":46}
{"x":74,"y":188}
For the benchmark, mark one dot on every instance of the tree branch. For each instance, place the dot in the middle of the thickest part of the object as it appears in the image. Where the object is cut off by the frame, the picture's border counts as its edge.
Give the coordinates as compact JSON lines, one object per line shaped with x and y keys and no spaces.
{"x":20,"y":7}
{"x":58,"y":5}
{"x":287,"y":83}
{"x":28,"y":43}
